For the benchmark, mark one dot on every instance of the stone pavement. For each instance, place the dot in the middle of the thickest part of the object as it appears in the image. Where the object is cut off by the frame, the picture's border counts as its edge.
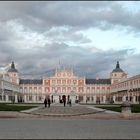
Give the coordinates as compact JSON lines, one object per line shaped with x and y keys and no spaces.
{"x":75,"y":111}
{"x":60,"y":110}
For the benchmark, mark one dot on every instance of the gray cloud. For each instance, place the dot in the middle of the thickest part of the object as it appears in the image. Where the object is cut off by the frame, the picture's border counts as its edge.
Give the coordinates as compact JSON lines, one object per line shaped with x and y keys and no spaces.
{"x":84,"y":62}
{"x":38,"y":35}
{"x":41,"y":16}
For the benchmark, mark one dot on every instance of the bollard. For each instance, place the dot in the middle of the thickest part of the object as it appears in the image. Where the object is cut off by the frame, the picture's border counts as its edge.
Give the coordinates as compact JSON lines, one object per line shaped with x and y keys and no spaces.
{"x":126,"y":109}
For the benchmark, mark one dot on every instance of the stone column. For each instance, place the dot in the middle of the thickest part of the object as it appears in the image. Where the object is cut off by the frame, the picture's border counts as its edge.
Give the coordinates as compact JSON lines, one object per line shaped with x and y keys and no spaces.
{"x":114,"y":98}
{"x":25,"y":98}
{"x":84,"y":98}
{"x":16,"y":98}
{"x":124,"y":98}
{"x":34,"y":98}
{"x":104,"y":99}
{"x":94,"y":99}
{"x":134,"y":99}
{"x":7,"y":98}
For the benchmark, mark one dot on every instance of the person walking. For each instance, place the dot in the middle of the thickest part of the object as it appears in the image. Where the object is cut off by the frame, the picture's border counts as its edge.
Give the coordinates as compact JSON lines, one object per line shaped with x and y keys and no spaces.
{"x":45,"y":102}
{"x":64,"y":100}
{"x":70,"y":102}
{"x":49,"y":102}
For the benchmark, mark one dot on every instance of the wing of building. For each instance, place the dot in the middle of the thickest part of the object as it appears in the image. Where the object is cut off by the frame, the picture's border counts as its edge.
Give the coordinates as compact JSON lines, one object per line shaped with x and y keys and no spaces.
{"x":65,"y":83}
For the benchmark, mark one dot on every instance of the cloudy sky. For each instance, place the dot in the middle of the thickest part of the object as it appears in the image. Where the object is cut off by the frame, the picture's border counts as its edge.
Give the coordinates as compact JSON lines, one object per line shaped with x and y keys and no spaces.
{"x":88,"y":36}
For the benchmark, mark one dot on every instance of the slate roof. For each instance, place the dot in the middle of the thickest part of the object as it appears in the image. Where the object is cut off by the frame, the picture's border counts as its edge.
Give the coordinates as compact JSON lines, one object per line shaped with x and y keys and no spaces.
{"x":12,"y":69}
{"x":117,"y":69}
{"x":98,"y":81}
{"x":30,"y":81}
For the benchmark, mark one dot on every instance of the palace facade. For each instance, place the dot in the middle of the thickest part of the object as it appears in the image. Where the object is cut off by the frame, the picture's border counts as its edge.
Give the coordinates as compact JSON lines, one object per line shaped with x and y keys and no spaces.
{"x":117,"y":88}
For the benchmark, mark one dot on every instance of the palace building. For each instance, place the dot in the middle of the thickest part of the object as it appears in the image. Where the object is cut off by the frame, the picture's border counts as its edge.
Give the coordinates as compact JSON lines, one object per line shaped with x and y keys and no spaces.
{"x":117,"y":88}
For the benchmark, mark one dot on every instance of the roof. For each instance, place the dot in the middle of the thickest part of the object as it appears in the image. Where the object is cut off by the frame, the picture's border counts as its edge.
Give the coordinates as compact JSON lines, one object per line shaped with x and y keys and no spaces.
{"x":98,"y":81}
{"x":12,"y":69}
{"x":117,"y":69}
{"x":30,"y":81}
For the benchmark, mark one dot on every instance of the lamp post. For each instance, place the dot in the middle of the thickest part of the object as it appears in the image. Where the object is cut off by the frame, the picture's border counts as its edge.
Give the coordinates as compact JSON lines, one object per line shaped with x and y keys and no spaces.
{"x":2,"y":88}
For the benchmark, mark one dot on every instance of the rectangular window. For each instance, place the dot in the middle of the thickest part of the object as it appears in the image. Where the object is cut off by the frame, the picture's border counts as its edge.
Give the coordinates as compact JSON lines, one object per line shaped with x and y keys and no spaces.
{"x":30,"y":98}
{"x":30,"y":89}
{"x":25,"y":89}
{"x":35,"y":89}
{"x":53,"y":81}
{"x":40,"y":89}
{"x":58,"y":82}
{"x":74,"y":82}
{"x":69,"y":81}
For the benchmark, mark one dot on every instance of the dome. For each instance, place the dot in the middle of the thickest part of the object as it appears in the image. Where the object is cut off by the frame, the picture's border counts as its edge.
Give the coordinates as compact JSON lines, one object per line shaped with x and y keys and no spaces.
{"x":117,"y":69}
{"x":12,"y":69}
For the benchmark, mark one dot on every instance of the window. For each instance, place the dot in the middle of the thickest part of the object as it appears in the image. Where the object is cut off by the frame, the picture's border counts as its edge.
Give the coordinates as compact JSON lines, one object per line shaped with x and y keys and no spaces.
{"x":21,"y":90}
{"x":58,"y":89}
{"x":53,"y":89}
{"x":40,"y":98}
{"x":80,"y":89}
{"x":53,"y":81}
{"x":46,"y":82}
{"x":35,"y":89}
{"x":69,"y":88}
{"x":25,"y":89}
{"x":64,"y":89}
{"x":69,"y":81}
{"x":103,"y":88}
{"x":30,"y":89}
{"x":30,"y":98}
{"x":74,"y":81}
{"x":88,"y":98}
{"x":63,"y":81}
{"x":59,"y":82}
{"x":39,"y":89}
{"x":74,"y":88}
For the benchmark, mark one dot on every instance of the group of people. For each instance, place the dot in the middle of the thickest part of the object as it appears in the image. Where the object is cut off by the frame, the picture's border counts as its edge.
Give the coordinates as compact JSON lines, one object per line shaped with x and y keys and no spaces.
{"x":47,"y":101}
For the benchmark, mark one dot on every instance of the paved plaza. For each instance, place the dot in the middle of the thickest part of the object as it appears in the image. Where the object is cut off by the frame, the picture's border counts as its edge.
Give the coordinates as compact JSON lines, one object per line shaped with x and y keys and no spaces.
{"x":68,"y":129}
{"x":75,"y":111}
{"x":75,"y":122}
{"x":60,"y":110}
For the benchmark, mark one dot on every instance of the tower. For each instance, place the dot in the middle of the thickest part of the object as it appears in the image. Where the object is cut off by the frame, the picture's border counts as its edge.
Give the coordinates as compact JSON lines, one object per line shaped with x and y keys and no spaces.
{"x":13,"y":74}
{"x":117,"y":74}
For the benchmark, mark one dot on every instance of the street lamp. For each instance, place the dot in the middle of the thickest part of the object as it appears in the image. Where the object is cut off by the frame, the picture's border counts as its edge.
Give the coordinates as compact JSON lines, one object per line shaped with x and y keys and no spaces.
{"x":2,"y":88}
